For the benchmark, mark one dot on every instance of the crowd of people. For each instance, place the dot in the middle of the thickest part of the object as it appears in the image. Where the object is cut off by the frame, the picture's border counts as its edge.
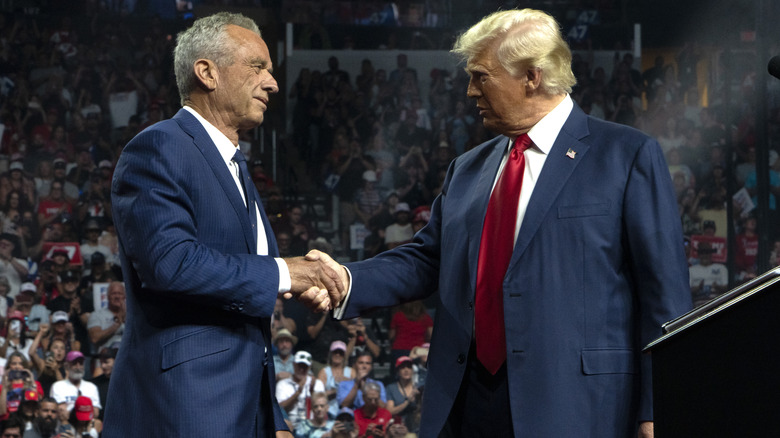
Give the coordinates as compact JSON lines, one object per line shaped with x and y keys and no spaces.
{"x":73,"y":93}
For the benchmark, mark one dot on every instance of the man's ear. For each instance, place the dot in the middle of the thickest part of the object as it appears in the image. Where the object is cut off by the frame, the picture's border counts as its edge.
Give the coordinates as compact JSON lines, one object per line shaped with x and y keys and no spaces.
{"x":207,"y":74}
{"x":534,"y":76}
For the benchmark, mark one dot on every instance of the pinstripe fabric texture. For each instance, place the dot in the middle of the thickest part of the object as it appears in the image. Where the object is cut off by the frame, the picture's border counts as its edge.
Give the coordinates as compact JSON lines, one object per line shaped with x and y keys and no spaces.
{"x":193,"y":360}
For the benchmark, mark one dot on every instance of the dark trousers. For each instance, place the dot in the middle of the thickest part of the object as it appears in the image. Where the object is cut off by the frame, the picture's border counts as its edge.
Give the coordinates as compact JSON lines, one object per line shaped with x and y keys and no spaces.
{"x":481,"y":408}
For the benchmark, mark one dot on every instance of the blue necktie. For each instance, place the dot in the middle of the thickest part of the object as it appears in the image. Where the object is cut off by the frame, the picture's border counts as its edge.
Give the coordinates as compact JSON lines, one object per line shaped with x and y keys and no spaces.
{"x":249,"y":193}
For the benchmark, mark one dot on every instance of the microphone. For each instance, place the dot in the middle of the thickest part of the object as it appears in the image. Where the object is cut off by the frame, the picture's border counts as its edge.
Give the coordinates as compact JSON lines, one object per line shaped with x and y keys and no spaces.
{"x":774,"y":66}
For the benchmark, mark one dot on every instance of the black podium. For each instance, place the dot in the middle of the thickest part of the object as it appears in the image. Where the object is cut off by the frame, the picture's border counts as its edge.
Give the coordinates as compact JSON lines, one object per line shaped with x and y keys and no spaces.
{"x":716,"y":371}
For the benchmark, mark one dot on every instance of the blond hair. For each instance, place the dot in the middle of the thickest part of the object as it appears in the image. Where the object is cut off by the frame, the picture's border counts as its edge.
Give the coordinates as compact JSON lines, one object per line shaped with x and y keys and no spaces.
{"x":529,"y":39}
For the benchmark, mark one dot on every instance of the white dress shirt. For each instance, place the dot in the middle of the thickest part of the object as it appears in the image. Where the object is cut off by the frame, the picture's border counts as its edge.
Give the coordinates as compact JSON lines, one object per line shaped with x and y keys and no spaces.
{"x":227,"y":149}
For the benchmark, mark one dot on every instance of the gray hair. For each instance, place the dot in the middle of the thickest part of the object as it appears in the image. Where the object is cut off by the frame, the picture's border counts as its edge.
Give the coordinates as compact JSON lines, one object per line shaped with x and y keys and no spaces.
{"x":206,"y":39}
{"x":371,"y":386}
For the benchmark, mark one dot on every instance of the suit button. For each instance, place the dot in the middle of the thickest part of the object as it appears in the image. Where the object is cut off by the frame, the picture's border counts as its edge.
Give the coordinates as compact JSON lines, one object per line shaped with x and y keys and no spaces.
{"x":471,"y":306}
{"x":461,"y":358}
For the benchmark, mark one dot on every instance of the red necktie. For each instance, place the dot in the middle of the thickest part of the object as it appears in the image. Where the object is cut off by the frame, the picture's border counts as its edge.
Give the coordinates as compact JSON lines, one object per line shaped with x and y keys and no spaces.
{"x":495,"y":250}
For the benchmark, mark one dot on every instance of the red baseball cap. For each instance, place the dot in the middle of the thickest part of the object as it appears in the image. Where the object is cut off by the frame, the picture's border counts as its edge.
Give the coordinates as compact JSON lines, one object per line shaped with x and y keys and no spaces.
{"x":84,"y":410}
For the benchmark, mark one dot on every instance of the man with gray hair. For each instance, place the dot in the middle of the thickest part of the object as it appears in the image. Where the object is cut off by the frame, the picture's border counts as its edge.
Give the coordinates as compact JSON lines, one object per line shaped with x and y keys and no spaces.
{"x":556,"y":249}
{"x":199,"y":257}
{"x":372,"y":418}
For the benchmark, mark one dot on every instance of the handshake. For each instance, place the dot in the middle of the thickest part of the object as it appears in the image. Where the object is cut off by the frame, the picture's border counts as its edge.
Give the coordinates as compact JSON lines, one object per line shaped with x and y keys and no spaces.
{"x":318,"y":281}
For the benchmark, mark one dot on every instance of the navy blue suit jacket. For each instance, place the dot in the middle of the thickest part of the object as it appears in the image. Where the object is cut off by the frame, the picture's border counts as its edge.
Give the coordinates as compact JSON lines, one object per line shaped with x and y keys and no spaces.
{"x":193,"y":357}
{"x":597,"y":268}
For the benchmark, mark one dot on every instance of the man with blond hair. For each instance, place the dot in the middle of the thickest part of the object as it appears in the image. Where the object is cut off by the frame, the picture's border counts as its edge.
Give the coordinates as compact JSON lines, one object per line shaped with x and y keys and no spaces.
{"x":556,"y":250}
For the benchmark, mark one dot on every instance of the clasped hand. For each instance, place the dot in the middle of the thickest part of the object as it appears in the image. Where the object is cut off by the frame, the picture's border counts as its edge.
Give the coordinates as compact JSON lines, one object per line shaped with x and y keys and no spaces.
{"x":318,"y":281}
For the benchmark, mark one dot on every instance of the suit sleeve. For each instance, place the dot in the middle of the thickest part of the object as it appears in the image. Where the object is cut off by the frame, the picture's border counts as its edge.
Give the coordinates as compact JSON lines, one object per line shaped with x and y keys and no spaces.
{"x":657,"y":260}
{"x":406,"y":273}
{"x":155,"y":202}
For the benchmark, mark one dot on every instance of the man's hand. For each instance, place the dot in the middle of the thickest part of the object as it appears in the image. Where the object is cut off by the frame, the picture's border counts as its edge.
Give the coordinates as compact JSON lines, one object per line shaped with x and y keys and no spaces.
{"x":336,"y":267}
{"x":645,"y":429}
{"x":313,"y":283}
{"x":283,"y":434}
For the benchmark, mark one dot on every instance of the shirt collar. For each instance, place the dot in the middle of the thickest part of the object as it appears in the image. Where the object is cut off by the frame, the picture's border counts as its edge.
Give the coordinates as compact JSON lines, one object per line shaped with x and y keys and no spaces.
{"x":225,"y":147}
{"x":544,"y":133}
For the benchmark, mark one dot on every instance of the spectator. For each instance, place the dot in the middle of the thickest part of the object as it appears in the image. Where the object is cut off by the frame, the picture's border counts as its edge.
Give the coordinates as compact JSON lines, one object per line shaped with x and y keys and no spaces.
{"x":368,"y":200}
{"x":334,"y":373}
{"x":82,"y":417}
{"x":16,"y":339}
{"x":397,"y":430}
{"x":90,"y":244}
{"x":107,"y":357}
{"x":344,"y":426}
{"x":708,"y":279}
{"x":403,"y":395}
{"x":5,"y":301}
{"x":106,"y":325}
{"x":50,"y":368}
{"x":350,"y":393}
{"x":281,"y":321}
{"x":284,"y":241}
{"x":361,"y":339}
{"x":751,"y":184}
{"x":61,"y":260}
{"x":46,"y":422}
{"x":283,"y":359}
{"x":25,"y":404}
{"x":69,"y":190}
{"x":334,"y":75}
{"x":55,"y":206}
{"x":319,"y":424}
{"x":294,"y":393}
{"x":746,"y":251}
{"x":400,"y":231}
{"x":82,"y":171}
{"x":18,"y":375}
{"x":420,"y":217}
{"x":95,"y":202}
{"x":402,"y":71}
{"x":26,"y":303}
{"x":12,"y":428}
{"x":300,"y":231}
{"x":60,"y":328}
{"x":17,"y":180}
{"x":98,"y":273}
{"x":323,"y":330}
{"x":12,"y":267}
{"x":410,"y":326}
{"x":371,"y":418}
{"x":71,"y":388}
{"x":68,"y":301}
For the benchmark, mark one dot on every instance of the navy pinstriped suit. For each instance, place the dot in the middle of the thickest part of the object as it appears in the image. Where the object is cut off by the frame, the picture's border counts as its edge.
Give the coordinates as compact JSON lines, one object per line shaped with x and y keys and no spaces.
{"x":192,"y":360}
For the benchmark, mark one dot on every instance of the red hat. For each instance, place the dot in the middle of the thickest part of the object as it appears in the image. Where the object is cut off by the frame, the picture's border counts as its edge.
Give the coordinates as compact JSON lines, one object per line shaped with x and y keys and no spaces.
{"x":422,"y":214}
{"x":16,"y":314}
{"x":83,"y":408}
{"x":401,"y":360}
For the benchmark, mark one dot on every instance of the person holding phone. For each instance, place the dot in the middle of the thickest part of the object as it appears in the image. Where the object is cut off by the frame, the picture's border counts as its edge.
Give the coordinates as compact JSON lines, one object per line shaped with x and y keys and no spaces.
{"x":16,"y":339}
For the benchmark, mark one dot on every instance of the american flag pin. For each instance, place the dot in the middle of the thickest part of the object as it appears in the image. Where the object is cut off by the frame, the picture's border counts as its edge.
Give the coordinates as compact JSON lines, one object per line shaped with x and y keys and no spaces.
{"x":570,"y":153}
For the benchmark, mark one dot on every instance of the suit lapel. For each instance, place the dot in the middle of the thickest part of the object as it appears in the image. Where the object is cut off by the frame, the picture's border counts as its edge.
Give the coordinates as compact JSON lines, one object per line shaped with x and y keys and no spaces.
{"x":203,"y":142}
{"x":480,"y":197}
{"x":557,"y":169}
